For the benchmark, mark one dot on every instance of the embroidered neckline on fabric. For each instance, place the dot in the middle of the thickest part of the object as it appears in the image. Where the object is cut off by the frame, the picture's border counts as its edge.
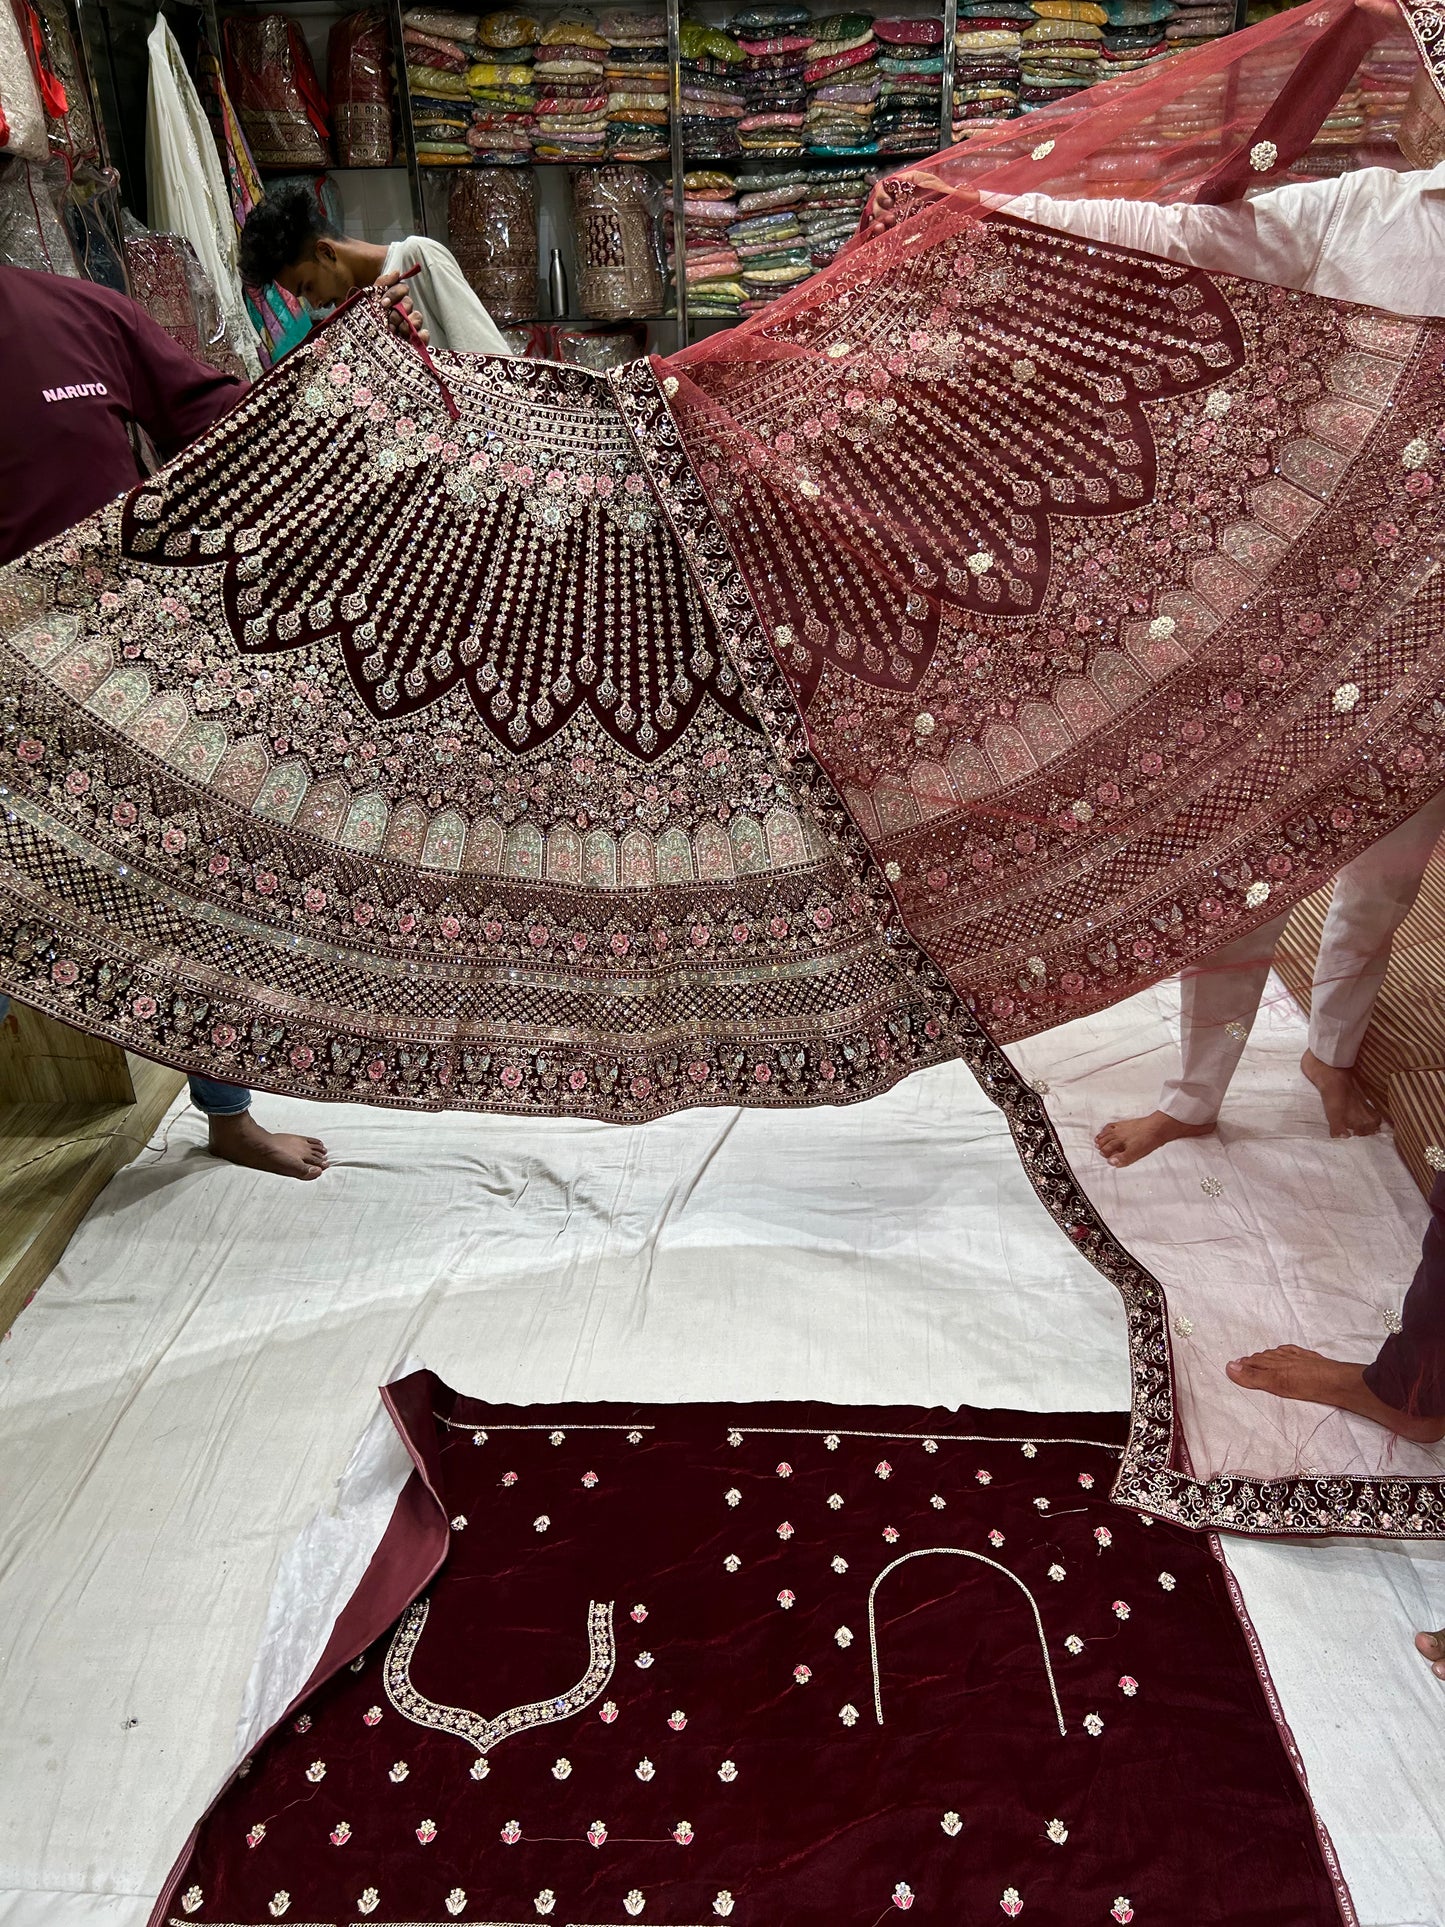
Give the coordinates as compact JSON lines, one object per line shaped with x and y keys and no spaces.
{"x":475,"y":1728}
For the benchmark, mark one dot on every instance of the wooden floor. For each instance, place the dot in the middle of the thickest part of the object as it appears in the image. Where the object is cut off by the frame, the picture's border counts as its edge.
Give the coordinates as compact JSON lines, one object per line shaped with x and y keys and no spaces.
{"x":73,"y":1110}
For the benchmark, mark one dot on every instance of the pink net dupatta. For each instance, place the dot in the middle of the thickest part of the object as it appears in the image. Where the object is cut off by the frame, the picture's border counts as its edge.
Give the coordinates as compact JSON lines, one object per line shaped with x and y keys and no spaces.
{"x":1106,"y":587}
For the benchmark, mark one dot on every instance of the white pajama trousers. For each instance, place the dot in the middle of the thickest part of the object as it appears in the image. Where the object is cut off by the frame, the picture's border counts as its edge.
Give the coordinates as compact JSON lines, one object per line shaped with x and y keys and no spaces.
{"x":1220,"y":995}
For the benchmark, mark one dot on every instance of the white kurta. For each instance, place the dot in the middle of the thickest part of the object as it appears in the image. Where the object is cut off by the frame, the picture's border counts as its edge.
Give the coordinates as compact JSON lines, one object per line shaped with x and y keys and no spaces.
{"x":1374,"y":236}
{"x":454,"y":317}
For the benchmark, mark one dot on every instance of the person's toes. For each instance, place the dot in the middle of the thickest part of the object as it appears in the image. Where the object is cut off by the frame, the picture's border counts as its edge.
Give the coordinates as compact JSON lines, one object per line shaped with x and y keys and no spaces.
{"x":1431,"y":1645}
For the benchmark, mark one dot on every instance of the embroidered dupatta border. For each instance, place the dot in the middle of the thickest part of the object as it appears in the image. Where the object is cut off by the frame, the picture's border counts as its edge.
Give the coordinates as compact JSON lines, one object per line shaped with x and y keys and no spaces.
{"x":1149,"y":1481}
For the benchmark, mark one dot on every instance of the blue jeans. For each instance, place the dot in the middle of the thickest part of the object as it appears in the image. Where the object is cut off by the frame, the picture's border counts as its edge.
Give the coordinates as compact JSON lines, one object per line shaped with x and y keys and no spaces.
{"x":213,"y":1098}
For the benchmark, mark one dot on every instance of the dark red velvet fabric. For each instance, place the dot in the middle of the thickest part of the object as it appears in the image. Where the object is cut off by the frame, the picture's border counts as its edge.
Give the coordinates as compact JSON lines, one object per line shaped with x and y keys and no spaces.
{"x":1172,"y":1783}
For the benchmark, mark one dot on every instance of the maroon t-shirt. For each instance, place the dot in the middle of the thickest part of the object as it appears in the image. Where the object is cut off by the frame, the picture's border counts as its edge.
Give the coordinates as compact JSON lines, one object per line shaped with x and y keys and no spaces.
{"x":79,"y":363}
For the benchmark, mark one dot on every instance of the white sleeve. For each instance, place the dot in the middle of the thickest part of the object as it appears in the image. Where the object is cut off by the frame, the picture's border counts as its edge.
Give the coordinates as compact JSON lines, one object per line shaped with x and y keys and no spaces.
{"x":1277,"y":236}
{"x":453,"y":314}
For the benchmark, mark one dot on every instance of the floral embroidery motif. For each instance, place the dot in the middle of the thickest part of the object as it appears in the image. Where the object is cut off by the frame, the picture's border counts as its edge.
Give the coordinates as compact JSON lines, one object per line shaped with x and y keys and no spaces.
{"x":634,"y":1902}
{"x":368,"y":1901}
{"x":509,"y":1478}
{"x":1093,"y":1724}
{"x":682,"y":1833}
{"x":1168,"y":1581}
{"x":399,"y":1772}
{"x":480,"y":1767}
{"x":638,"y":1614}
{"x":938,"y":1502}
{"x":475,"y":1728}
{"x":848,"y":1715}
{"x":1262,"y":156}
{"x":1122,"y":1911}
{"x":1074,"y":1644}
{"x":844,"y":1636}
{"x":733,"y":1496}
{"x":1212,"y":1187}
{"x":511,"y":1832}
{"x":802,"y":1674}
{"x":278,"y":1903}
{"x":728,"y":1771}
{"x":787,"y":1599}
{"x":723,"y":1905}
{"x":556,"y":1438}
{"x":479,"y":1438}
{"x":995,"y":1537}
{"x":1057,"y":1832}
{"x":1128,"y":1687}
{"x":427,"y":1832}
{"x":608,"y":1712}
{"x":930,"y":1445}
{"x":372,"y":1716}
{"x":341,"y":1833}
{"x":459,"y":1524}
{"x":838,"y":1563}
{"x":735,"y":1438}
{"x":316,"y":1772}
{"x":952,"y":1824}
{"x":191,"y":1900}
{"x":1057,"y":1573}
{"x":257,"y":1834}
{"x":785,"y":1531}
{"x":644,"y":1660}
{"x":545,"y":1901}
{"x":634,"y":1438}
{"x":456,"y":1900}
{"x":1041,"y":1505}
{"x":984,"y":1478}
{"x":644,"y":1770}
{"x":732,"y":1563}
{"x":303,"y":1725}
{"x":890,"y":1533}
{"x":561,"y":1769}
{"x":903,"y":1896}
{"x":596,"y":1834}
{"x":1029,"y":1449}
{"x":1120,"y":1609}
{"x":883,"y":1470}
{"x":677,"y":1721}
{"x":785,"y":1471}
{"x":589,"y":1479}
{"x":1086,"y":1480}
{"x":541,"y":1522}
{"x":835,"y":1501}
{"x":1011,"y":1904}
{"x":1103,"y":1536}
{"x":831,"y":1441}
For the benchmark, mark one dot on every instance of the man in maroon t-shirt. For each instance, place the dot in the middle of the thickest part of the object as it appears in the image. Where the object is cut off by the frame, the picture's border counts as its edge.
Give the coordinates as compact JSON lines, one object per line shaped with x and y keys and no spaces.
{"x":80,"y":365}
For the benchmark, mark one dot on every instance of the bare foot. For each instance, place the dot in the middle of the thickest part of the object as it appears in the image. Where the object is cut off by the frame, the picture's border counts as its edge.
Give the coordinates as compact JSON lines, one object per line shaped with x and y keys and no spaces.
{"x":1288,"y":1371}
{"x":1348,"y":1112}
{"x":241,"y":1140}
{"x":1432,"y":1646}
{"x":1132,"y":1138}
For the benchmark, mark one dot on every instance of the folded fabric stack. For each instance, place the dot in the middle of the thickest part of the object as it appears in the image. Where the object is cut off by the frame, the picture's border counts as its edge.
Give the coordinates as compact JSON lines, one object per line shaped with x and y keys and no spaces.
{"x":439,"y":47}
{"x":832,"y":208}
{"x":910,"y":94}
{"x":503,"y":92}
{"x":636,"y":77}
{"x":711,"y":265}
{"x":986,"y":55}
{"x":776,"y":40}
{"x":1196,"y":22}
{"x":1133,"y":34}
{"x":1060,"y":51}
{"x":571,"y":76}
{"x":844,"y":82}
{"x":774,"y":253}
{"x":714,"y":100}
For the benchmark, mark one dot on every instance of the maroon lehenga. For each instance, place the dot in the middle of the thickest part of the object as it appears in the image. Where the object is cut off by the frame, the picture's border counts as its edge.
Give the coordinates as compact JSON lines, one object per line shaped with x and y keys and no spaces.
{"x":1000,"y":622}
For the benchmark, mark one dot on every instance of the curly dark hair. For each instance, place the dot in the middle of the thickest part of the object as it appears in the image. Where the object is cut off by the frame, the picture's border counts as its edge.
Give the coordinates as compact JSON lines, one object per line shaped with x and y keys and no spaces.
{"x":279,"y":231}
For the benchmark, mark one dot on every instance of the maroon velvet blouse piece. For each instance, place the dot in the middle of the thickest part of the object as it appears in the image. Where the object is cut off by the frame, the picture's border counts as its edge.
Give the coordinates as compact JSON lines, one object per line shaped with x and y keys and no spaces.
{"x":785,"y":1665}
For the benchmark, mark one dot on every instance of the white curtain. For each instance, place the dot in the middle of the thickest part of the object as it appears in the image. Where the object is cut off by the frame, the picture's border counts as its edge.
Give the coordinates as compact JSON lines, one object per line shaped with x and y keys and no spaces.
{"x":186,"y":187}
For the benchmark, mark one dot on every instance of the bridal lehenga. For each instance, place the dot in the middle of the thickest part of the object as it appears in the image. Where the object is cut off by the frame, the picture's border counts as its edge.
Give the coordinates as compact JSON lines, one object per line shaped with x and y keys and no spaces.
{"x":1000,"y":622}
